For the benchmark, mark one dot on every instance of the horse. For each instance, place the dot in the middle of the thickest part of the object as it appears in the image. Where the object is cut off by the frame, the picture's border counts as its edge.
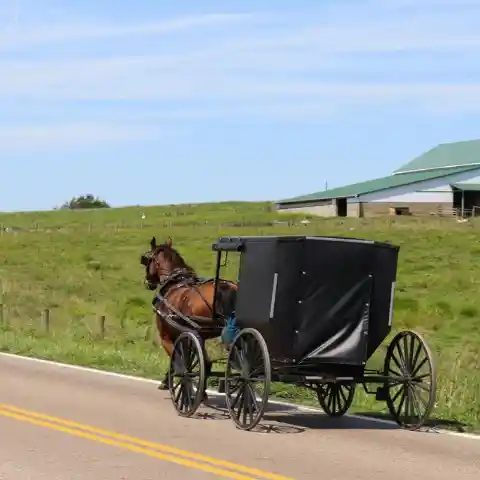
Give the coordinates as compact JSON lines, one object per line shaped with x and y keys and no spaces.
{"x":189,"y":294}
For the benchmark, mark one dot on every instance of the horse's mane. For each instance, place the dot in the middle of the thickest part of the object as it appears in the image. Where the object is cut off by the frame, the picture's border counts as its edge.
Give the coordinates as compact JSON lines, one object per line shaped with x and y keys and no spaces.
{"x":174,"y":257}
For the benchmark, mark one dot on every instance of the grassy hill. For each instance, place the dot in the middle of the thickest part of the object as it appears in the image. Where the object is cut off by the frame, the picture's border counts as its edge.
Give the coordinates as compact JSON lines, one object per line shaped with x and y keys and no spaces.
{"x":85,"y":264}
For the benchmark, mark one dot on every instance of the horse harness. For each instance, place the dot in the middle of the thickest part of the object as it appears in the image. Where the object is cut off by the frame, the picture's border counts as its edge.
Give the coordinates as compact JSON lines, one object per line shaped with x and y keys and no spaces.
{"x":178,"y":278}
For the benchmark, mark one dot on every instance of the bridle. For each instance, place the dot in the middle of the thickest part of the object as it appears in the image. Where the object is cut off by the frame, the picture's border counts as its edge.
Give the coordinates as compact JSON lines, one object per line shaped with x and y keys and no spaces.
{"x":153,"y":281}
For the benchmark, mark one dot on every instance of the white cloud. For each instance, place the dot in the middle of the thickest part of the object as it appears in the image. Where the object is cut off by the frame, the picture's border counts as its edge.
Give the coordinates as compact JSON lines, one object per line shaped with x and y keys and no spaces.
{"x":14,"y":38}
{"x":249,"y":76}
{"x":39,"y":137}
{"x":325,"y":62}
{"x":396,"y":4}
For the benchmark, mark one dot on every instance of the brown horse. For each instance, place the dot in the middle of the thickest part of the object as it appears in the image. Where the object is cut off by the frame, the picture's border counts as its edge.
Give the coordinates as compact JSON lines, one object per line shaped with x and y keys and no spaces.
{"x":186,"y":292}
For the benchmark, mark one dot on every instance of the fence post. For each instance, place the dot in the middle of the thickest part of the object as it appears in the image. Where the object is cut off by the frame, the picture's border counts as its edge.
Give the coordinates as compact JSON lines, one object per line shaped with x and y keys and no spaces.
{"x":2,"y":318}
{"x":102,"y":321}
{"x":46,"y":319}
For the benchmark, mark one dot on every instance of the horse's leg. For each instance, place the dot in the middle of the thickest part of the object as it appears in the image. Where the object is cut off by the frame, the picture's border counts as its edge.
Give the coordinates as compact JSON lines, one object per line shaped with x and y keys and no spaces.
{"x":167,"y":345}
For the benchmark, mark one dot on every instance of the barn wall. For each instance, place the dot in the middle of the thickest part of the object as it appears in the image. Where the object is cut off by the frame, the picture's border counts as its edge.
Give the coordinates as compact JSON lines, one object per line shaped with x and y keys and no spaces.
{"x":439,"y":196}
{"x":471,"y":180}
{"x":323,"y":209}
{"x":417,"y":209}
{"x":354,"y":209}
{"x":423,"y":198}
{"x":437,"y":190}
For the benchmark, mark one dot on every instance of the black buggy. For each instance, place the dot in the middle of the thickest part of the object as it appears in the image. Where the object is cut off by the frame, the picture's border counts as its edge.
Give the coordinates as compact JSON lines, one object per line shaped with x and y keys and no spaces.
{"x":310,"y":311}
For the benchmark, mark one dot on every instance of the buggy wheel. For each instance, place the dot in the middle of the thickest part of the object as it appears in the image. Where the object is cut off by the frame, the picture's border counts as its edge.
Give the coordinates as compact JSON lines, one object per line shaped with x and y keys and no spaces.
{"x":411,"y":385}
{"x":186,"y":376}
{"x":247,"y":379}
{"x":336,"y":398}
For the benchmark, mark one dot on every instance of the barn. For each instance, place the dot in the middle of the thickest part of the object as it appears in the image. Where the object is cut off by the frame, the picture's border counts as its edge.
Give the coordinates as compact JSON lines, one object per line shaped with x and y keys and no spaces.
{"x":443,"y":181}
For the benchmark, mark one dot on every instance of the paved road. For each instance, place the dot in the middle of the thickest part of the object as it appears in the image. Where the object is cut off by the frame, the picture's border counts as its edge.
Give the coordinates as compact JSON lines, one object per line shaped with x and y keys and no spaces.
{"x":58,"y":423}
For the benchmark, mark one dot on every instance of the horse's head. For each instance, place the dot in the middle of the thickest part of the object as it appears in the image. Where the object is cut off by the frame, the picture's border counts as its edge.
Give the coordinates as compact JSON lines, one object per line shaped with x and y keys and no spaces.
{"x":160,"y":262}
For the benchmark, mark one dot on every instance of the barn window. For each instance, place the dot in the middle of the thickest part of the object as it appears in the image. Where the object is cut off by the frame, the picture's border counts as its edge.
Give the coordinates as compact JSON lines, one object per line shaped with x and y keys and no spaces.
{"x":400,"y":211}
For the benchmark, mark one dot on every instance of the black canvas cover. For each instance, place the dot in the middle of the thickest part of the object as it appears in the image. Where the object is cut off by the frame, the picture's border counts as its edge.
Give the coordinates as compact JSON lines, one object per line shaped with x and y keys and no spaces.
{"x":323,"y":298}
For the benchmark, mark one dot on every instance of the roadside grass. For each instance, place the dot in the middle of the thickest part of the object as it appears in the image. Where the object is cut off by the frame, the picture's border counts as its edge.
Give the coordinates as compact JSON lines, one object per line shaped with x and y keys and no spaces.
{"x":84,"y":264}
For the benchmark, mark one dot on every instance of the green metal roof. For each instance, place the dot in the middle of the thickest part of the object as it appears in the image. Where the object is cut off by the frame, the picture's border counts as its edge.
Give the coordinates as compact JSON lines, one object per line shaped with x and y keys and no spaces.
{"x":470,"y":187}
{"x":445,"y":155}
{"x":377,"y":184}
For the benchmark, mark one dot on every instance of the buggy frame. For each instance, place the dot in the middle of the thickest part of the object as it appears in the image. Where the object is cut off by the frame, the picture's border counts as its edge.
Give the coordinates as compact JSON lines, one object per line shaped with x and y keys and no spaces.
{"x":260,"y":355}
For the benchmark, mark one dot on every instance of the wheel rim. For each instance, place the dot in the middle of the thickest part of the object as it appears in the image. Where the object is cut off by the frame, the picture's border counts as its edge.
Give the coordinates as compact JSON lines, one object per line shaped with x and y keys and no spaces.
{"x":186,"y":375}
{"x":247,"y":380}
{"x":336,"y":398}
{"x":411,"y":388}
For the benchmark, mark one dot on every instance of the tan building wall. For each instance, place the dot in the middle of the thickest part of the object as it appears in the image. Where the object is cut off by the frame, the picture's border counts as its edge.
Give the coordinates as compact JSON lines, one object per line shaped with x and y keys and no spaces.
{"x":355,"y":210}
{"x":327,"y":209}
{"x":420,"y":209}
{"x":374,"y":209}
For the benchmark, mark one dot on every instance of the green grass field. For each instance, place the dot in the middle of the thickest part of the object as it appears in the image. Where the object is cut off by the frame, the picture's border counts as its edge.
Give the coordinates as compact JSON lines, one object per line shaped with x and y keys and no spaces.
{"x":84,"y":264}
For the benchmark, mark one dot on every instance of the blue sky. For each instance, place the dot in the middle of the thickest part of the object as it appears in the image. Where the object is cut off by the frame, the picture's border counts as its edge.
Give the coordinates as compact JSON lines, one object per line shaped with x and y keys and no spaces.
{"x":168,"y":102}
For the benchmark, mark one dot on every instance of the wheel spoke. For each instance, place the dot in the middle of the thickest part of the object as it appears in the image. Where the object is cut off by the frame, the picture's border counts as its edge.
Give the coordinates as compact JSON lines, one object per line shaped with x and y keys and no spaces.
{"x":342,"y":393}
{"x":395,"y":383}
{"x":245,"y":404}
{"x":239,"y":395}
{"x":417,"y":354}
{"x":395,"y":372}
{"x":403,"y":368}
{"x":179,"y":393}
{"x":419,"y":397}
{"x":411,"y":353}
{"x":419,"y":377}
{"x":407,"y":405}
{"x":331,"y":399}
{"x":394,"y":398}
{"x":417,"y":369}
{"x":238,"y":358}
{"x":182,"y":354}
{"x":399,"y":365}
{"x":401,"y":403}
{"x":234,"y":384}
{"x":415,"y":402}
{"x":183,"y":399}
{"x":423,"y":386}
{"x":253,"y":396}
{"x":412,"y":409}
{"x":195,"y":364}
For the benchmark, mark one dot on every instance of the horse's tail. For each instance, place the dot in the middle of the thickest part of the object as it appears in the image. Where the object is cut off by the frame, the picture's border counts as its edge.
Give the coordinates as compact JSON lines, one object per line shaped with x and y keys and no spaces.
{"x":226,"y":299}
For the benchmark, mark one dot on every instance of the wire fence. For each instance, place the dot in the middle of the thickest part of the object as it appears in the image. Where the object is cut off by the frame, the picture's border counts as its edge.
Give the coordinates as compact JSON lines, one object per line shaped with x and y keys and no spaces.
{"x":102,"y":327}
{"x":101,"y":227}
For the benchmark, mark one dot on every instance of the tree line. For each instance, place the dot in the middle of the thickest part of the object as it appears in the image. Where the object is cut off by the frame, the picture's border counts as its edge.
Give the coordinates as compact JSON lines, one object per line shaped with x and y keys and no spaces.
{"x":84,"y":201}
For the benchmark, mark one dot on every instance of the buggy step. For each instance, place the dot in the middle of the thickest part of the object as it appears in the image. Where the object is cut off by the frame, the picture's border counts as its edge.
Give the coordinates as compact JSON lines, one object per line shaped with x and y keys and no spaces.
{"x":381,"y":394}
{"x":221,"y":385}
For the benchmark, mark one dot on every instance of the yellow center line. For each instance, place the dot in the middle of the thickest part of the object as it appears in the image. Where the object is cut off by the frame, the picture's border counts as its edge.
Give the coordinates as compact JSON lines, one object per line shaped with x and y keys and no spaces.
{"x":160,"y":451}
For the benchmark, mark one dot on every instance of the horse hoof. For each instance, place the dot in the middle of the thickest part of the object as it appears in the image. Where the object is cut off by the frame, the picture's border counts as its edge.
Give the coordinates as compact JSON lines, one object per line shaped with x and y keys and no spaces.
{"x":163,"y":386}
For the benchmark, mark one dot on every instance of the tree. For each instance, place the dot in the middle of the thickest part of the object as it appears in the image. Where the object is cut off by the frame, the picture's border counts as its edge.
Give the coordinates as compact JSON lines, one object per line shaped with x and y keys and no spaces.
{"x":85,"y":201}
